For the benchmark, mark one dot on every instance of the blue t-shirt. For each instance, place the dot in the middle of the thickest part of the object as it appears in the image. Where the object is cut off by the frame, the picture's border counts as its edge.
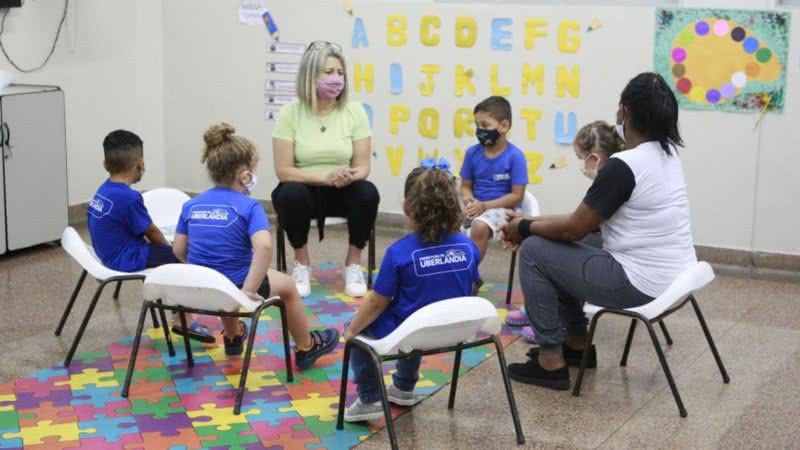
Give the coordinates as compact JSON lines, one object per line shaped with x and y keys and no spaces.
{"x":493,"y":177}
{"x":117,"y":221}
{"x":414,"y":274}
{"x":219,"y":224}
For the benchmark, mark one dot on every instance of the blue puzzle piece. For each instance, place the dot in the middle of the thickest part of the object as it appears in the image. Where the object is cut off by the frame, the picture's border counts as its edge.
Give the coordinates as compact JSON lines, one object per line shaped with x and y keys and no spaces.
{"x":270,"y":412}
{"x":10,"y":443}
{"x":109,"y":429}
{"x":192,"y":386}
{"x":50,"y":373}
{"x":341,"y":439}
{"x":97,"y":397}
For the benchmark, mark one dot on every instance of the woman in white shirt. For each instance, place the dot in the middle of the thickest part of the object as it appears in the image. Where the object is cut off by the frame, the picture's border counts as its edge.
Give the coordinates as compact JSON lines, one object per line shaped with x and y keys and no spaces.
{"x":639,"y":202}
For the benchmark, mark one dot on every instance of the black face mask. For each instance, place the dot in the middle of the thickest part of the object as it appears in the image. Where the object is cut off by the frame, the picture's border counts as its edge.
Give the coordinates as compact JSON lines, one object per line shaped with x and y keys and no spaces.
{"x":487,"y":137}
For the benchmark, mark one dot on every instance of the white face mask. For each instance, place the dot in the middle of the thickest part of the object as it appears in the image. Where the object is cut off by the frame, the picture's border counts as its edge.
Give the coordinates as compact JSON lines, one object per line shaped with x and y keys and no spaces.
{"x":252,"y":184}
{"x":589,"y":173}
{"x":620,"y":129}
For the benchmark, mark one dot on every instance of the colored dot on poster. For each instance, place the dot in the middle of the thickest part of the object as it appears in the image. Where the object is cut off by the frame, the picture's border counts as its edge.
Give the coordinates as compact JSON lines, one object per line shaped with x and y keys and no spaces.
{"x":738,"y":34}
{"x":750,"y":45}
{"x":697,"y":95}
{"x":739,"y":79}
{"x":752,"y":70}
{"x":678,"y":70}
{"x":684,"y":85}
{"x":721,"y":28}
{"x":701,"y":28}
{"x":727,"y":90}
{"x":763,"y":55}
{"x":678,"y":54}
{"x":686,"y":38}
{"x":712,"y":96}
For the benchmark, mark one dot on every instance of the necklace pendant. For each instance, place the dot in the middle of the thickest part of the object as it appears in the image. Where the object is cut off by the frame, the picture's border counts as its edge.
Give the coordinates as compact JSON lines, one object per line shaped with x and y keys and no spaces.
{"x":322,"y":128}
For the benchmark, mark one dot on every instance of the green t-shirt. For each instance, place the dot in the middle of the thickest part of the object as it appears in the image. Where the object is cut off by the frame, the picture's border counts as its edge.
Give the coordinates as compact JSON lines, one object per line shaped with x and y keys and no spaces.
{"x":318,"y":151}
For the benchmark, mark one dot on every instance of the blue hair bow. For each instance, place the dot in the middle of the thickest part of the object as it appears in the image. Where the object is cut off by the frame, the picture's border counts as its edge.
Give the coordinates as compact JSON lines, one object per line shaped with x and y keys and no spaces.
{"x":431,"y":163}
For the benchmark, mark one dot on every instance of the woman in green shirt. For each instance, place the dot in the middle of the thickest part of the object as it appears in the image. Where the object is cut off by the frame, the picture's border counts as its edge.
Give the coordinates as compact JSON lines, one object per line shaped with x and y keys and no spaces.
{"x":321,"y":147}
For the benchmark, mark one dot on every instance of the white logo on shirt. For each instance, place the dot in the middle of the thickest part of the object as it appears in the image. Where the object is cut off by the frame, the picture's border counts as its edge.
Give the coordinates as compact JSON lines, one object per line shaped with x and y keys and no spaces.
{"x":100,"y":206}
{"x":502,"y":176}
{"x":212,"y":214}
{"x":449,"y":257}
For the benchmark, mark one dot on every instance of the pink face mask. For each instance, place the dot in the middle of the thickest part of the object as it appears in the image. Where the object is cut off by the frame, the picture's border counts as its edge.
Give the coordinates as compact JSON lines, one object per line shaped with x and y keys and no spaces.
{"x":330,"y":86}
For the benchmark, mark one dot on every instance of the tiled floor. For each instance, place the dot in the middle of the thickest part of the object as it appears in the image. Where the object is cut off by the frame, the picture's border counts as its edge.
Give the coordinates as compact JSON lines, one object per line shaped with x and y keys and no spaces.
{"x":756,"y":325}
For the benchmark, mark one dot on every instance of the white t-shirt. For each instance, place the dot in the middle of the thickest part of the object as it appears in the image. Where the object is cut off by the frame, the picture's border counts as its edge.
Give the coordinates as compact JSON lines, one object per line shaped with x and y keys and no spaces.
{"x":641,"y":193}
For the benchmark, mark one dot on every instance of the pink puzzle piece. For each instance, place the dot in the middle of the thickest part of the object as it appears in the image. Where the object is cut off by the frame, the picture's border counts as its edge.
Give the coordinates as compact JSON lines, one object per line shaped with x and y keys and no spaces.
{"x":269,"y":433}
{"x":98,"y":443}
{"x":205,"y":394}
{"x":40,"y":388}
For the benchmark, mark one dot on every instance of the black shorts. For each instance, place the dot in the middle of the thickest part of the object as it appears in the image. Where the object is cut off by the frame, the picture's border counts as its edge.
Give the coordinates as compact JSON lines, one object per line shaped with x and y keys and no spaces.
{"x":264,"y":289}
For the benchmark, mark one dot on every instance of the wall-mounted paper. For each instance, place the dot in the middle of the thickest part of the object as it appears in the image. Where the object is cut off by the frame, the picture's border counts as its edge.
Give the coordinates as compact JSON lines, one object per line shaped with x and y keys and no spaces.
{"x":250,"y":12}
{"x":269,"y":23}
{"x":277,"y":99}
{"x":359,"y":34}
{"x":396,"y":78}
{"x":596,"y":23}
{"x":501,"y":35}
{"x":347,"y":5}
{"x":560,"y":163}
{"x":271,"y":111}
{"x":565,"y":136}
{"x":289,"y":48}
{"x":283,"y":67}
{"x":279,"y":86}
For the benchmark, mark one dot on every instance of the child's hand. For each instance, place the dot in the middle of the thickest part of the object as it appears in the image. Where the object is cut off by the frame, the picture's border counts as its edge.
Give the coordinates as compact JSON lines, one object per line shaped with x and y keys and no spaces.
{"x":475,"y":209}
{"x":254,"y":296}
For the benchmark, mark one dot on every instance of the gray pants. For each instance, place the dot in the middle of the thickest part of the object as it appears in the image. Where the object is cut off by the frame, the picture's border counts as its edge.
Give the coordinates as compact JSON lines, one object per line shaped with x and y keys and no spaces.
{"x":557,"y":277}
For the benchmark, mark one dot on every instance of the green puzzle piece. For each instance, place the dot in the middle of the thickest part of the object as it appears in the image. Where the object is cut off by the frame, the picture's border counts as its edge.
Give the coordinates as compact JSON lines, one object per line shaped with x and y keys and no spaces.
{"x":229,"y":438}
{"x":322,"y":429}
{"x":159,"y":410}
{"x":153,"y":374}
{"x":91,"y":357}
{"x":9,"y":420}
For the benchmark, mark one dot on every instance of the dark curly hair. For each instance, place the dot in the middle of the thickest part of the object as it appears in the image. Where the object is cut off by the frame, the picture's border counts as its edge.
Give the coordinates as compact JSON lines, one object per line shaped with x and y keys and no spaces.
{"x":433,"y":205}
{"x":653,"y":109}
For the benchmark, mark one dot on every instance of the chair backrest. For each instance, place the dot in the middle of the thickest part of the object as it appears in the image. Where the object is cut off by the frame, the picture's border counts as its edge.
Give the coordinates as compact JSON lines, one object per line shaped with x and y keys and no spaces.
{"x":529,"y":205}
{"x":164,"y":206}
{"x":692,"y":279}
{"x":194,"y":287}
{"x":441,"y":324}
{"x":84,"y":255}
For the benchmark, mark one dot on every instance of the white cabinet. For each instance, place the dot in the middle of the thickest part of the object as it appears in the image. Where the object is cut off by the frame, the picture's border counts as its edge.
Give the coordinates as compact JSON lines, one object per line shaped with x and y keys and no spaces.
{"x":33,"y":184}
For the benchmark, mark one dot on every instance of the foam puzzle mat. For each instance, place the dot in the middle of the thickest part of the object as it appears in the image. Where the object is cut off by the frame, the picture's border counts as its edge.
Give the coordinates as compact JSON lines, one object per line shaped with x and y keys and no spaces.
{"x":173,"y":407}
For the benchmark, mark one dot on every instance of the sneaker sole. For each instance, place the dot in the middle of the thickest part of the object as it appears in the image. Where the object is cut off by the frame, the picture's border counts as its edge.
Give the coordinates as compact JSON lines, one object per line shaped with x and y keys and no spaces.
{"x":558,"y":385}
{"x":404,"y":401}
{"x":325,"y":350}
{"x":364,"y":417}
{"x":591,"y":364}
{"x":354,"y":294}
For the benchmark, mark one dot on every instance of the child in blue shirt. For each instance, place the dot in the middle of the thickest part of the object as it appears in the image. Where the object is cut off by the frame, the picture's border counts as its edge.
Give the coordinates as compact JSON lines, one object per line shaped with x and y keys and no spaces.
{"x":123,"y":234}
{"x":494,"y":173}
{"x":434,"y":263}
{"x":225,"y":229}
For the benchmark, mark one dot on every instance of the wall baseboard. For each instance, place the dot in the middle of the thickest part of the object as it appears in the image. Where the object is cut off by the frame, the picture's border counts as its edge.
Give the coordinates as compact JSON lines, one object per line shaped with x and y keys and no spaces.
{"x":717,"y":256}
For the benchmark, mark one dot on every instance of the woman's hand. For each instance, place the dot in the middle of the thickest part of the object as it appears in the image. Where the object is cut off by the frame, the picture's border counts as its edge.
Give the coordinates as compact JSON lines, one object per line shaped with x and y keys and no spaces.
{"x":341,"y":177}
{"x":510,"y":233}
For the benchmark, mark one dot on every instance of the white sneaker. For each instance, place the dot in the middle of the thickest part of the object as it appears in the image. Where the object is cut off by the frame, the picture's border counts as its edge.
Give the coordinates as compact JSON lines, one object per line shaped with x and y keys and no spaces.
{"x":360,"y":412}
{"x":402,"y":398}
{"x":302,"y":279}
{"x":354,"y":284}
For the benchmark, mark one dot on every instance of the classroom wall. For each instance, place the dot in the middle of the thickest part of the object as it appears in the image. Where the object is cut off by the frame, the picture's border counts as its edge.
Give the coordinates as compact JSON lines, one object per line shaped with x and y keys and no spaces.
{"x":108,"y":62}
{"x":741,"y":182}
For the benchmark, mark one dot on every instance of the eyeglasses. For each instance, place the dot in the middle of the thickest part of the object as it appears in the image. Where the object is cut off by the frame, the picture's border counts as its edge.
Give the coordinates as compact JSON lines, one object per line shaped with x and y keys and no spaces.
{"x":319,"y":45}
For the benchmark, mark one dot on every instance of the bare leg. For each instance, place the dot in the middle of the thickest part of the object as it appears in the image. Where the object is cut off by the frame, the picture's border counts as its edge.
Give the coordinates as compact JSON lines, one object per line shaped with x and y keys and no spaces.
{"x":480,"y":233}
{"x":232,"y":326}
{"x":283,"y":286}
{"x":301,"y":256}
{"x":353,"y":256}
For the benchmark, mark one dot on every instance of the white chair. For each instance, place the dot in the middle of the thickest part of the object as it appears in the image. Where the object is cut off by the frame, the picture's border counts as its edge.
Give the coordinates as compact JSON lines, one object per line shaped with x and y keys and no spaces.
{"x":164,"y":206}
{"x":85,"y":256}
{"x":680,"y":292}
{"x":441,"y":327}
{"x":187,"y":288}
{"x":528,"y":207}
{"x":281,"y":246}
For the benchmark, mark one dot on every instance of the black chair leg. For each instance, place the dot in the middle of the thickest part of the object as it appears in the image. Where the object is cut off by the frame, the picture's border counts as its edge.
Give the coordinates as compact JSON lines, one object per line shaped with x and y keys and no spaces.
{"x":135,"y":350}
{"x":186,"y":344}
{"x":70,"y":303}
{"x":576,"y":391}
{"x":665,"y":366}
{"x":116,"y":290}
{"x":287,"y":352}
{"x":454,"y":382}
{"x":343,"y":386}
{"x":624,"y":361}
{"x":722,"y":371}
{"x":387,"y":410}
{"x":371,"y":257}
{"x":165,"y":327}
{"x":84,"y":323}
{"x":509,"y":392}
{"x":281,"y":249}
{"x":667,"y":337}
{"x":246,"y":364}
{"x":154,"y":318}
{"x":511,"y":276}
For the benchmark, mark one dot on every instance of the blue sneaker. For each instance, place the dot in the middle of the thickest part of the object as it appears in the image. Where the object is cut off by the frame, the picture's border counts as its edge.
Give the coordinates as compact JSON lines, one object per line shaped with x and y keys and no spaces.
{"x":235,"y":346}
{"x":322,"y":343}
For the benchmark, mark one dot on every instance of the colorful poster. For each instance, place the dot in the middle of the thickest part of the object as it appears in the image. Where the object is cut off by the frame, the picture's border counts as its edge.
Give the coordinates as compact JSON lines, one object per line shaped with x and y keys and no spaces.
{"x":724,"y":60}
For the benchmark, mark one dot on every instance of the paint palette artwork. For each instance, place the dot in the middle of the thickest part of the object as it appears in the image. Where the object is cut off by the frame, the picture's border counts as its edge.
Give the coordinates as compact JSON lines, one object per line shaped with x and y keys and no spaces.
{"x":727,"y":60}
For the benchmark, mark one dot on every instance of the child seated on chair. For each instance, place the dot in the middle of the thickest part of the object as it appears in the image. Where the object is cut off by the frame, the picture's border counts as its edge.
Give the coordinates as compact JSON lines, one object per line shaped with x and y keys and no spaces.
{"x":434,"y":263}
{"x":123,"y":235}
{"x":494,"y":173}
{"x":225,"y":229}
{"x":593,"y":145}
